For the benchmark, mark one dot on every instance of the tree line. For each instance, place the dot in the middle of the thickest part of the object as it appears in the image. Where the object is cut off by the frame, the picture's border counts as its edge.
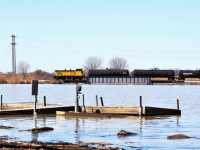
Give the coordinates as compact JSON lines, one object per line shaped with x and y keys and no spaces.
{"x":92,"y":62}
{"x":96,"y":62}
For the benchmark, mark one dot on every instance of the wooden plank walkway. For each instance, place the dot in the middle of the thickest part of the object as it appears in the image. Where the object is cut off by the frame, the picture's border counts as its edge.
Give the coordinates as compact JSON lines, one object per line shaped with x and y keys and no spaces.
{"x":40,"y":110}
{"x":117,"y":110}
{"x":28,"y":108}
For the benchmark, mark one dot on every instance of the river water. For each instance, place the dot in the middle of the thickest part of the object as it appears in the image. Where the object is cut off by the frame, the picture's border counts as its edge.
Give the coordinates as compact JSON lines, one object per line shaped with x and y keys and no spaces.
{"x":152,"y":131}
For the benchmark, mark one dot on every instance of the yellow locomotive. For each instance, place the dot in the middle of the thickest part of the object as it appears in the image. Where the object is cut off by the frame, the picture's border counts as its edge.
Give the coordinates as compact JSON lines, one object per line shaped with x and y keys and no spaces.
{"x":68,"y":74}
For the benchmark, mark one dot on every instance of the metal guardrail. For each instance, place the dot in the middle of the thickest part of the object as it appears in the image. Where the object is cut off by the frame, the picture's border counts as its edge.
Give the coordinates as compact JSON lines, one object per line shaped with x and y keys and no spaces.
{"x":109,"y":79}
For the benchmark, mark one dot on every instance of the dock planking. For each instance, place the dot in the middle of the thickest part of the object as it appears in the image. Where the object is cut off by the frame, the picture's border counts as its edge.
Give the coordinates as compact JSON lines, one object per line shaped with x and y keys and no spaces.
{"x":123,"y":110}
{"x":132,"y":110}
{"x":40,"y":110}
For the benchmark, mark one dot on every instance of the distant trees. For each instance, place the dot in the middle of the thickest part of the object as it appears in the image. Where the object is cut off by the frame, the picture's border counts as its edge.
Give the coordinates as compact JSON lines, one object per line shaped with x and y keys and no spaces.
{"x":176,"y":71}
{"x":118,"y":63}
{"x":95,"y":62}
{"x":92,"y":62}
{"x":23,"y":67}
{"x":42,"y":75}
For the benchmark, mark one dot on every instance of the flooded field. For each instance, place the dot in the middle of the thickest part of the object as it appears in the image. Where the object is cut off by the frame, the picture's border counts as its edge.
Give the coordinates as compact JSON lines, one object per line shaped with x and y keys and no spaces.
{"x":151,"y":132}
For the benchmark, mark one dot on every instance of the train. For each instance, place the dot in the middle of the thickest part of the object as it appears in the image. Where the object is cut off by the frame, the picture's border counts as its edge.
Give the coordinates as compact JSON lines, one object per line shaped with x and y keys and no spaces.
{"x":168,"y":74}
{"x":69,"y":74}
{"x":108,"y":72}
{"x":189,"y":74}
{"x":153,"y":73}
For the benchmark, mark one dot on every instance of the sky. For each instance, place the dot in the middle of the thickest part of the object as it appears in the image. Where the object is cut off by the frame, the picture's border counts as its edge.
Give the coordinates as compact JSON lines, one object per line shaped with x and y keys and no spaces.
{"x":55,"y":35}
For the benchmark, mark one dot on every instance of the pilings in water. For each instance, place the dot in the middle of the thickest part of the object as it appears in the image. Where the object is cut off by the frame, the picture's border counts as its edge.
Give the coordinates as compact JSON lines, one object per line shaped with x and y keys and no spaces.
{"x":101,"y":101}
{"x":96,"y":100}
{"x":1,"y":102}
{"x":177,"y":104}
{"x":44,"y":104}
{"x":140,"y":108}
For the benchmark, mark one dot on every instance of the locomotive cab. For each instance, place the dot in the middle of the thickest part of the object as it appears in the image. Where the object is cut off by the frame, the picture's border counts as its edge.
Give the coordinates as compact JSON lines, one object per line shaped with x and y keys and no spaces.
{"x":80,"y":69}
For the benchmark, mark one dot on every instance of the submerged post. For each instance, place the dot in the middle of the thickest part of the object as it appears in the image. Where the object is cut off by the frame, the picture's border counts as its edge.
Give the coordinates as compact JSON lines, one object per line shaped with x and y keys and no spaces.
{"x":140,"y":108}
{"x":177,"y":104}
{"x":96,"y":100}
{"x":1,"y":102}
{"x":34,"y":91}
{"x":101,"y":101}
{"x":44,"y":101}
{"x":83,"y":108}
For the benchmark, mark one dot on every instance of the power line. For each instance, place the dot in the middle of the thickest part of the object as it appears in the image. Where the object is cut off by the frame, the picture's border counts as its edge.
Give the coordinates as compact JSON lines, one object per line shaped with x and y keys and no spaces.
{"x":106,"y":48}
{"x":4,"y":37}
{"x":54,"y":49}
{"x":135,"y":56}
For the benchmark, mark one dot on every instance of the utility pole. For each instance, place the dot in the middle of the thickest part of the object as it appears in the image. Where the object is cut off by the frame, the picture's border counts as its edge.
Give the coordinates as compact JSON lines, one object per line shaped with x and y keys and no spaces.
{"x":13,"y":55}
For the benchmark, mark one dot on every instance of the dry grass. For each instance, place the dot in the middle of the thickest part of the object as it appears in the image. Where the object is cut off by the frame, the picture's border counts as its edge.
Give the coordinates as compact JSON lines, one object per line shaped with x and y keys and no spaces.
{"x":2,"y":79}
{"x":54,"y":81}
{"x":194,"y":83}
{"x":159,"y":78}
{"x":196,"y":79}
{"x":21,"y":79}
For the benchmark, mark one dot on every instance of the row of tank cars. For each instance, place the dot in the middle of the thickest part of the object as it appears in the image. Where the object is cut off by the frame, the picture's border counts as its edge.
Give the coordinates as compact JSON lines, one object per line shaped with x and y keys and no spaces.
{"x":153,"y":73}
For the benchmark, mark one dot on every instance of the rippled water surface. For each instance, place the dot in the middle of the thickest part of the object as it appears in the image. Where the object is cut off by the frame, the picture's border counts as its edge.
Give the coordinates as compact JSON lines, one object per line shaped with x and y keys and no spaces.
{"x":151,"y":131}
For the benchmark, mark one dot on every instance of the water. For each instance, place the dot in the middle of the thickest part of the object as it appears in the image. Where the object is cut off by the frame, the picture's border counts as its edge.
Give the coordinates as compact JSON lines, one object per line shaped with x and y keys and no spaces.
{"x":151,"y":131}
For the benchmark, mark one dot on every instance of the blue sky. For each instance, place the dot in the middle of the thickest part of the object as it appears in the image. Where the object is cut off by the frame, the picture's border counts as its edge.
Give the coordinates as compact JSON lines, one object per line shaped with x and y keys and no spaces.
{"x":61,"y":34}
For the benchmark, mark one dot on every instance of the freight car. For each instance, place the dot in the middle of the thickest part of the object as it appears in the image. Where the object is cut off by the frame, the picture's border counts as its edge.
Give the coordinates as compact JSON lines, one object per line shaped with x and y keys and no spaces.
{"x":155,"y":73}
{"x":108,"y":72}
{"x":189,"y":74}
{"x":68,"y":74}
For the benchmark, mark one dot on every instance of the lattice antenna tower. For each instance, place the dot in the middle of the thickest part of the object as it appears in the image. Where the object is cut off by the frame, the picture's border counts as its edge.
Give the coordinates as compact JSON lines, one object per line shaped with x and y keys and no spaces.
{"x":13,"y":55}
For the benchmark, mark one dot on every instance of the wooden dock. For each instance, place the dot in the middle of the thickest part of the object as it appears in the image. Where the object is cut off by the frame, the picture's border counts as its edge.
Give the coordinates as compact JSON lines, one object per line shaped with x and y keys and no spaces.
{"x":28,"y":108}
{"x":39,"y":110}
{"x":129,"y":110}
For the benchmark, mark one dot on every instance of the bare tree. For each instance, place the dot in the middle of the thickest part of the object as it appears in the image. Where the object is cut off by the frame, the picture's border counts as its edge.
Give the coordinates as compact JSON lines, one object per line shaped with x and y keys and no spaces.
{"x":92,"y":62}
{"x":23,"y":67}
{"x":118,"y":63}
{"x":176,"y":71}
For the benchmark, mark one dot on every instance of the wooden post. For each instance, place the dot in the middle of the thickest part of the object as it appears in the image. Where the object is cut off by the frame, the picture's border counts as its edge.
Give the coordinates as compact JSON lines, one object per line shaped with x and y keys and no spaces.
{"x":101,"y":101}
{"x":44,"y":100}
{"x":140,"y":108}
{"x":96,"y":100}
{"x":83,"y":108}
{"x":140,"y":101}
{"x":1,"y":102}
{"x":177,"y":104}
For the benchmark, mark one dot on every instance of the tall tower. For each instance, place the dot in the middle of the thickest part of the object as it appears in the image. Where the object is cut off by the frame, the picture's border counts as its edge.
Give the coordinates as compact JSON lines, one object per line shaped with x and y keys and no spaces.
{"x":13,"y":55}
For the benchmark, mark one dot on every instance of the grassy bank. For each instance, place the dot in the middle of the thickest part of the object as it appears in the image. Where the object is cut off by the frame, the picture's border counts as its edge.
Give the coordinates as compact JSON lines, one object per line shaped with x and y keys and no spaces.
{"x":25,"y":79}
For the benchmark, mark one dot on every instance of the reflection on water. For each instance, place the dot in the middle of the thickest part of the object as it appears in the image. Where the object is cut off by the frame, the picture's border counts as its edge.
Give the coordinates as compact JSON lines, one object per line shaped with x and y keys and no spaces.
{"x":34,"y":135}
{"x":152,"y":131}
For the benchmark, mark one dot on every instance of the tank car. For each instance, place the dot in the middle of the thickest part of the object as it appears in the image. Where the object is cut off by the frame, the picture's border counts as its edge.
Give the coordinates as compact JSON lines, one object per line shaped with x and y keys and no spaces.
{"x":155,"y":73}
{"x":189,"y":74}
{"x":108,"y":72}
